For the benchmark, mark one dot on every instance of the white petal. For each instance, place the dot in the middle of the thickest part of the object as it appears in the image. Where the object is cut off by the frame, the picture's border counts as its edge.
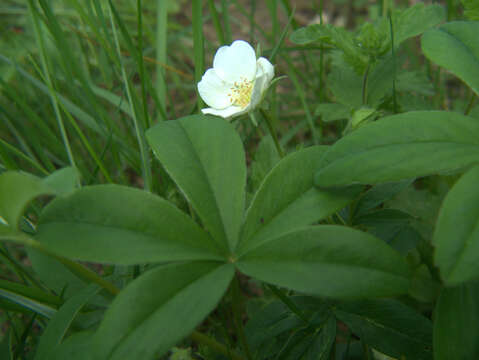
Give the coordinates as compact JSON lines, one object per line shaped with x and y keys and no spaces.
{"x":265,"y":67}
{"x":264,"y":76}
{"x":213,"y":90}
{"x":235,"y":62}
{"x":227,"y":113}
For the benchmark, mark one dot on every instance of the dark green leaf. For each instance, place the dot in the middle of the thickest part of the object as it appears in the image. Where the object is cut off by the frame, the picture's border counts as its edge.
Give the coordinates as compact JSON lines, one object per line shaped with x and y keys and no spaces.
{"x":330,"y":261}
{"x":462,"y":55}
{"x":390,"y":327}
{"x":401,"y":147}
{"x":160,"y":308}
{"x":456,"y":237}
{"x":204,"y":156}
{"x":456,"y":320}
{"x":379,"y":194}
{"x":118,"y":224}
{"x":287,"y":199}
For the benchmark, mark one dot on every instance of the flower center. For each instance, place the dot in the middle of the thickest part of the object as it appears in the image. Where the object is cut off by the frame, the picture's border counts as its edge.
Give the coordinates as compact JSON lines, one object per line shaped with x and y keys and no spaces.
{"x":240,"y":92}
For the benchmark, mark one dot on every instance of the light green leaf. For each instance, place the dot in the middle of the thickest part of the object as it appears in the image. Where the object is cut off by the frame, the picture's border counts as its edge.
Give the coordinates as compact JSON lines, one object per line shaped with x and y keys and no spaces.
{"x":456,"y":237}
{"x":160,"y":308}
{"x":204,"y":156}
{"x":122,"y":225}
{"x":287,"y":199}
{"x":389,"y":326}
{"x":17,"y":190}
{"x":456,"y":320}
{"x":454,"y":46}
{"x":59,"y":324}
{"x":331,"y":261}
{"x":63,"y":181}
{"x":415,"y":20}
{"x":332,"y":112}
{"x":401,"y":147}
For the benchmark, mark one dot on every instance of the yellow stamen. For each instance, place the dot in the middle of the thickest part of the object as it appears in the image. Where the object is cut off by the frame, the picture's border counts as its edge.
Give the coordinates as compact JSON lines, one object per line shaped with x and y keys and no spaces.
{"x":240,"y":93}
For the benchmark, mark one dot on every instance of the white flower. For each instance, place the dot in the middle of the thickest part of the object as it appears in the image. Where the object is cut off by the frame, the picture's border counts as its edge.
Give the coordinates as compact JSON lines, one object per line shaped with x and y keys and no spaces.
{"x":237,"y":82}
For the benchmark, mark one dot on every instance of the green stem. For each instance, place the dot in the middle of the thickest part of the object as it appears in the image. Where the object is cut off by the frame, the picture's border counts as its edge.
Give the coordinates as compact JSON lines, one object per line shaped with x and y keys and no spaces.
{"x":365,"y":84}
{"x":394,"y":61}
{"x":236,"y":295}
{"x":287,"y":301}
{"x":269,"y":123}
{"x":213,"y":345}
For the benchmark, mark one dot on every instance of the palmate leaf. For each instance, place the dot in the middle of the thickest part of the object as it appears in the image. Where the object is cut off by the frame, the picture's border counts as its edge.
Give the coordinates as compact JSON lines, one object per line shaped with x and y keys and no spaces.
{"x":456,"y":236}
{"x":389,"y":326}
{"x":122,"y":225}
{"x":159,"y":308}
{"x":328,"y":260}
{"x":287,"y":199}
{"x":462,"y":55}
{"x":400,"y":147}
{"x":205,"y":157}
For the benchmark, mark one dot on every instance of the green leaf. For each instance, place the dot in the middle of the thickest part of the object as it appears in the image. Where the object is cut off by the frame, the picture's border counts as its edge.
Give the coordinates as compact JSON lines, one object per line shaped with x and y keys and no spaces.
{"x":379,"y":194}
{"x":456,"y":237}
{"x":327,"y":260}
{"x":287,"y":199}
{"x":401,"y":147}
{"x":75,"y":347}
{"x":455,"y":323}
{"x":415,"y":20}
{"x":160,"y":308}
{"x":204,"y":156}
{"x":122,"y":225}
{"x":17,"y":190}
{"x":59,"y":324}
{"x":54,"y":274}
{"x":63,"y":181}
{"x":332,"y":112}
{"x":454,"y":46}
{"x":390,"y":327}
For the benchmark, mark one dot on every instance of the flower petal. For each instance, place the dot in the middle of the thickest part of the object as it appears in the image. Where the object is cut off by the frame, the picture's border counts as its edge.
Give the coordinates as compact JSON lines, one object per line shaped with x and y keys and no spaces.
{"x":264,"y":75}
{"x":227,"y":113}
{"x":214,"y":91}
{"x":265,"y":67}
{"x":235,"y":62}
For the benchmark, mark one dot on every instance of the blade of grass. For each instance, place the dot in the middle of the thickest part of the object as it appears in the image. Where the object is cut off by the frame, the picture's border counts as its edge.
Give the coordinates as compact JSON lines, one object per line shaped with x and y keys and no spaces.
{"x":216,"y":22}
{"x":140,"y":131}
{"x":161,"y":48}
{"x":46,"y":71}
{"x":198,"y":44}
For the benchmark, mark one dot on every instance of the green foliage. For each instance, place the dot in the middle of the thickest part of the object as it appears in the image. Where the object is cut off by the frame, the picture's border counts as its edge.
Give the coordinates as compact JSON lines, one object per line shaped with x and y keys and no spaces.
{"x":343,"y":225}
{"x":101,"y":222}
{"x":455,"y":326}
{"x":456,"y":236}
{"x":462,"y":56}
{"x":401,"y":147}
{"x":173,"y":300}
{"x":471,"y":9}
